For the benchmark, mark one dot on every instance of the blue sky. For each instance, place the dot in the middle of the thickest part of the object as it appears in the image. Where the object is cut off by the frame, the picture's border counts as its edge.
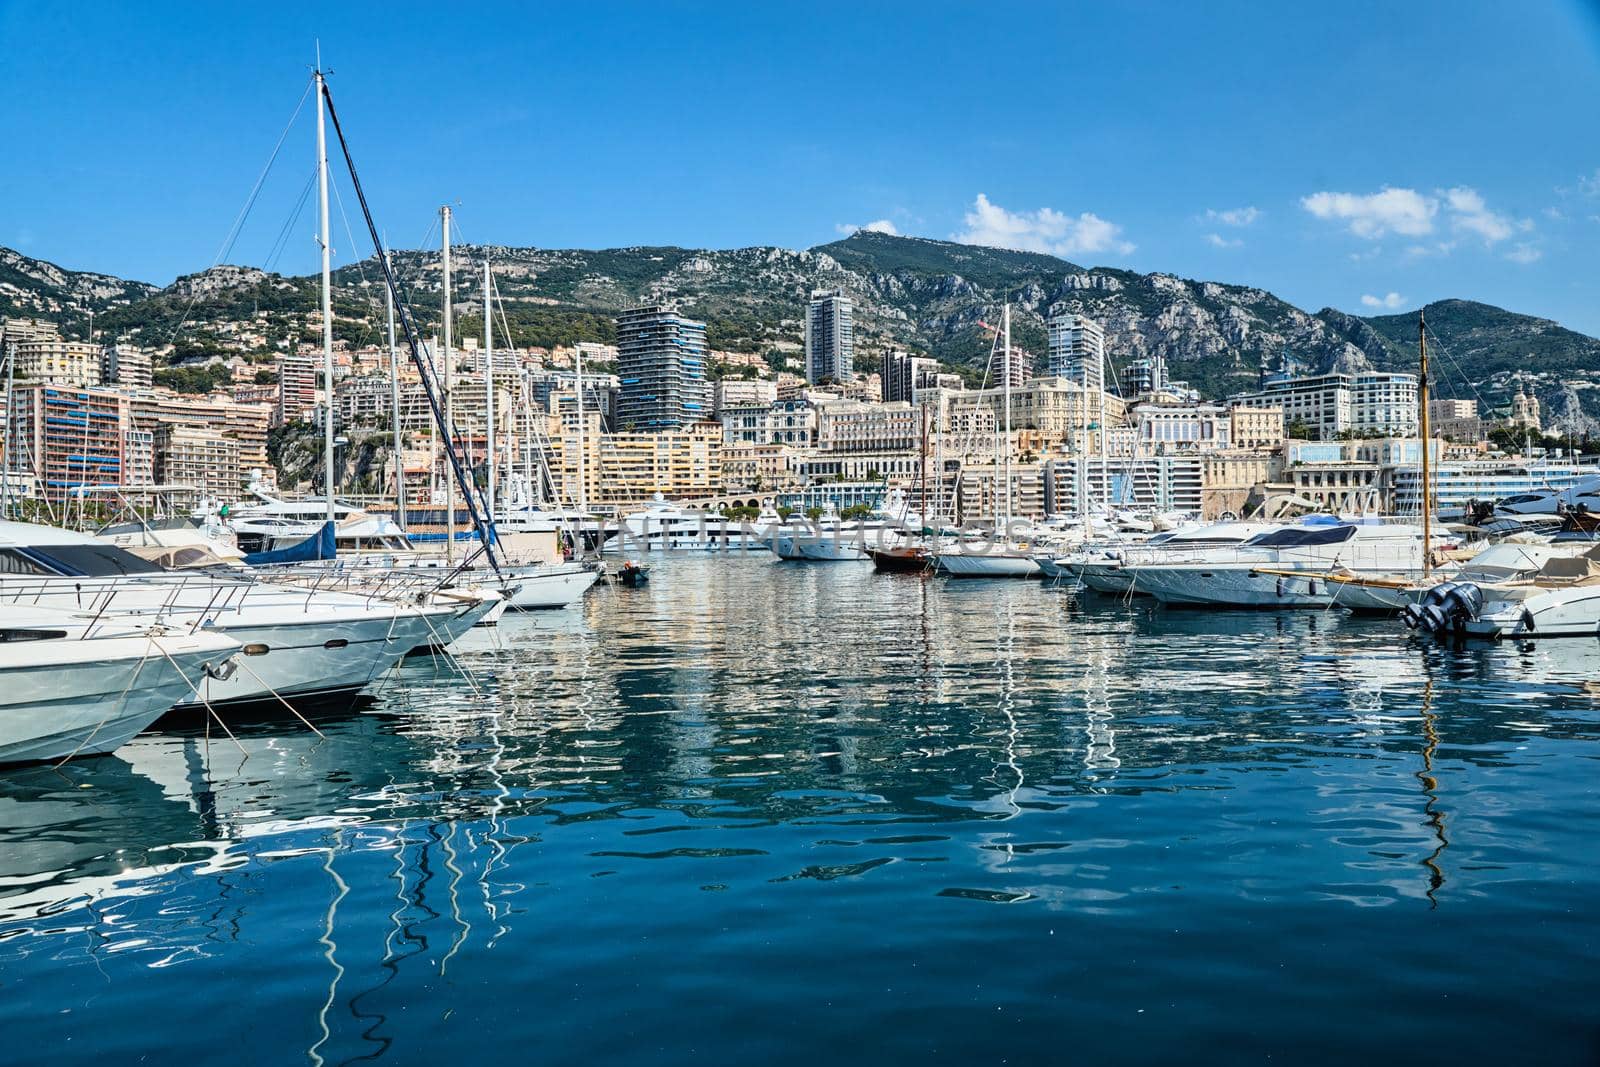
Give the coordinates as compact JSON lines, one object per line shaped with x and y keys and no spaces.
{"x":1369,"y":156}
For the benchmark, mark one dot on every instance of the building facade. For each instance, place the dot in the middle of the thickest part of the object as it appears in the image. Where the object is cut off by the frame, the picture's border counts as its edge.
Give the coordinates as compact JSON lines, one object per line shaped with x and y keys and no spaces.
{"x":661,"y":368}
{"x":127,"y":366}
{"x":830,"y":337}
{"x":1327,"y":405}
{"x":1077,"y":350}
{"x":903,"y":374}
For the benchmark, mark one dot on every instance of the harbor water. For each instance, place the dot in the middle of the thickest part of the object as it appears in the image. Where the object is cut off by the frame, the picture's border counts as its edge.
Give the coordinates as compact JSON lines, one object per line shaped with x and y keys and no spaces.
{"x":780,"y":813}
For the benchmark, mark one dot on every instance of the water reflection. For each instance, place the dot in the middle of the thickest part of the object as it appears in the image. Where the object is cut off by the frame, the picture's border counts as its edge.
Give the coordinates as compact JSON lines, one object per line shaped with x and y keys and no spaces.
{"x":580,"y":795}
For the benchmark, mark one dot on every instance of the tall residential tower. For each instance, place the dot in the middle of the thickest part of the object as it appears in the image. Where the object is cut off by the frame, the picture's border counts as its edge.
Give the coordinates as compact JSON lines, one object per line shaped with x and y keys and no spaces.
{"x":1077,"y":350}
{"x":830,"y":337}
{"x":661,"y":364}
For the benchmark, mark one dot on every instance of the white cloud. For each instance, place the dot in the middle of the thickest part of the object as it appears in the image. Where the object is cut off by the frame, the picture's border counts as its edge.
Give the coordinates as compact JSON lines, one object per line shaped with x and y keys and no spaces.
{"x":1239,"y":216}
{"x":1402,"y":211}
{"x":1045,"y":230}
{"x":878,"y":226}
{"x":1524,"y":253}
{"x":1391,"y":301}
{"x":1216,"y":240}
{"x":1589,"y":184}
{"x":1470,"y":214}
{"x":1412,"y":214}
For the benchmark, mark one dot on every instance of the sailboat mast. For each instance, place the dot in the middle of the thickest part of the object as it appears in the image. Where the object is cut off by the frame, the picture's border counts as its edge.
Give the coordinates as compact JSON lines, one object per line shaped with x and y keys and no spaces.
{"x":1005,"y":443}
{"x":583,"y":487}
{"x":488,"y":385}
{"x":449,"y":396}
{"x":327,"y":292}
{"x":1105,"y":475}
{"x":1422,"y":412}
{"x":394,"y":404}
{"x":922,"y":477}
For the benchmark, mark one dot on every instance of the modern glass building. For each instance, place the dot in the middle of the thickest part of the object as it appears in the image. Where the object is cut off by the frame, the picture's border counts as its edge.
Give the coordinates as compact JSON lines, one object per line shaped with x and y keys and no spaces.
{"x":1077,"y":350}
{"x":661,"y":368}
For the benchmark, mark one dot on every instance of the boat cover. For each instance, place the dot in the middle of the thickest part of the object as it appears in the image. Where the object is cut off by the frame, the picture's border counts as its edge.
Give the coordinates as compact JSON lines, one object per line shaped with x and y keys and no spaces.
{"x":319,"y":545}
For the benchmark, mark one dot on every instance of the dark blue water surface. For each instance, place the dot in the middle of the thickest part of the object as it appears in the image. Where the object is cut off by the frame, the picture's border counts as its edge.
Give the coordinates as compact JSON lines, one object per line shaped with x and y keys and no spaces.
{"x":769,"y":813}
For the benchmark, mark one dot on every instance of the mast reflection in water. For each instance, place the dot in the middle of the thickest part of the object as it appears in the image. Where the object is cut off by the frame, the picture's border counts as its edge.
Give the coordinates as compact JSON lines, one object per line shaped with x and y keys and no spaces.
{"x":769,"y":811}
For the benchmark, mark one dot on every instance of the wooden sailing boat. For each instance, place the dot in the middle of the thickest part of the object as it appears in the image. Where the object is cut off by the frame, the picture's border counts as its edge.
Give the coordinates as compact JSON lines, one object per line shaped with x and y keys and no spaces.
{"x":910,"y":558}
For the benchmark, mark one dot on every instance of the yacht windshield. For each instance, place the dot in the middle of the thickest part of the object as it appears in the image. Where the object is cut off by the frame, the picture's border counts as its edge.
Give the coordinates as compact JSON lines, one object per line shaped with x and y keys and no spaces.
{"x":1322,"y":535}
{"x":75,"y":561}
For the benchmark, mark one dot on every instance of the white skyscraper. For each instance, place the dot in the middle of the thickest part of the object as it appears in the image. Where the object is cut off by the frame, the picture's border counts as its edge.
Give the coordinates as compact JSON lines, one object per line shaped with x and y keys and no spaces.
{"x":1077,"y":350}
{"x":830,"y":337}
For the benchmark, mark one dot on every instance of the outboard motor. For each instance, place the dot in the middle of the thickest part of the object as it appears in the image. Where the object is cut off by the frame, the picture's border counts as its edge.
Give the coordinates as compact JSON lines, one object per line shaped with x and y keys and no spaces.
{"x":1429,"y":613}
{"x":1445,"y":607}
{"x":1463,"y":603}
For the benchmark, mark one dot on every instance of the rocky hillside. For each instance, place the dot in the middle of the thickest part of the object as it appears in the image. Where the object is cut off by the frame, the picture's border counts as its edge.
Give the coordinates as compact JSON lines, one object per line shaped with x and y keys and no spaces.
{"x":32,"y":288}
{"x":923,"y":294}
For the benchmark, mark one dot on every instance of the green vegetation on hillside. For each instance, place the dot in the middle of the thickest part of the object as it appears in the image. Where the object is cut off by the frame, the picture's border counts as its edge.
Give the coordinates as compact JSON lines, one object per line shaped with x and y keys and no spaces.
{"x":196,"y":378}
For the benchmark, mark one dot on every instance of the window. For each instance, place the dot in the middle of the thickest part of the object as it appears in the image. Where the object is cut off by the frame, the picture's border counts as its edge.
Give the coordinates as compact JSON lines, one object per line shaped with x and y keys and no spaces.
{"x":91,"y":561}
{"x":1327,"y":535}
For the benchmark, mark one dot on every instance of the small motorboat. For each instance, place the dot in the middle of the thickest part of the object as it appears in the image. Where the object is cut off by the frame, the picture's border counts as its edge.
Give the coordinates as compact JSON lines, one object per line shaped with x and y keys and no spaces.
{"x":633,"y":573}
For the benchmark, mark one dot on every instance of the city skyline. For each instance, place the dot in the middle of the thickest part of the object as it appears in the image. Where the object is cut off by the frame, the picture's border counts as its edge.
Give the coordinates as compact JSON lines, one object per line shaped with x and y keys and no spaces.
{"x":1336,"y":159}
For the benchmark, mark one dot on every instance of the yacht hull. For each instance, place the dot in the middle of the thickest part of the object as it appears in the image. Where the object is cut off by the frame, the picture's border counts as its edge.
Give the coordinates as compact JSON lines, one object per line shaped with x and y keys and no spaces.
{"x":1236,"y":587}
{"x":323,"y":659}
{"x":546,"y":589}
{"x":958,"y":565}
{"x":900,"y":560}
{"x":54,"y":704}
{"x":1573,"y":612}
{"x":812,"y":549}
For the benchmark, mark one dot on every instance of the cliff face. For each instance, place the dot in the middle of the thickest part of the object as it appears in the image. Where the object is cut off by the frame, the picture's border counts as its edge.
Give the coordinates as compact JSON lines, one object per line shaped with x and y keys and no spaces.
{"x":33,"y":288}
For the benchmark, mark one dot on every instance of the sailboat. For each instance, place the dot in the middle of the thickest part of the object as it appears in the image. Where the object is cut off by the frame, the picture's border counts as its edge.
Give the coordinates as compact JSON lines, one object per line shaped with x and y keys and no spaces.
{"x":526,"y":587}
{"x":995,"y":557}
{"x":911,"y":556}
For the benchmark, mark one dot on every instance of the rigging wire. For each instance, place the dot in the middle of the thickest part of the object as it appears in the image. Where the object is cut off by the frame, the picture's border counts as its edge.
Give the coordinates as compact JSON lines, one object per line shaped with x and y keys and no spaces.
{"x":244,"y":212}
{"x":281,"y":243}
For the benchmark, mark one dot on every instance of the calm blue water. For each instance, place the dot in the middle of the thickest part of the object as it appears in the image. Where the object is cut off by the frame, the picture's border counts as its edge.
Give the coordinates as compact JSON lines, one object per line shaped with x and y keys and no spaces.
{"x":777,"y":812}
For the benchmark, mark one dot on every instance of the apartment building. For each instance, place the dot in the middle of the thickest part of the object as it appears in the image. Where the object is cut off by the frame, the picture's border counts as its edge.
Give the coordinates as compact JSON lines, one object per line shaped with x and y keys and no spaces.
{"x":787,"y":422}
{"x":1077,"y":350}
{"x":199,"y":457}
{"x":1332,"y":404}
{"x":661,"y":366}
{"x":1173,"y":483}
{"x":297,"y":389}
{"x":742,"y":393}
{"x":632,"y":467}
{"x":127,"y":366}
{"x":830,"y":337}
{"x":903,"y":374}
{"x":852,"y":426}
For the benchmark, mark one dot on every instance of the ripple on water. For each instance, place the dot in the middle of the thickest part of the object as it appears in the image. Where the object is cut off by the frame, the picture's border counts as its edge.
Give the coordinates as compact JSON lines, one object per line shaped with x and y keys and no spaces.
{"x":1239,"y":832}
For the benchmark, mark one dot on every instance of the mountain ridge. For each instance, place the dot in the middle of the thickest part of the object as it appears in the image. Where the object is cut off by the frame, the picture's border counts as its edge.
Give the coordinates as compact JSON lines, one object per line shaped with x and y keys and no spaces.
{"x":918,"y":293}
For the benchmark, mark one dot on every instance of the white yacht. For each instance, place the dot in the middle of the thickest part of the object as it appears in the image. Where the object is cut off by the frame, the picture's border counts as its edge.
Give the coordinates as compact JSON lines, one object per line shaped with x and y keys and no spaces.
{"x":1553,"y":500}
{"x":299,"y":643}
{"x":274,"y":524}
{"x":63,"y":693}
{"x":525,"y":587}
{"x":1260,"y":572}
{"x":1106,"y":569}
{"x":832,"y":539}
{"x":535,"y":518}
{"x":667,"y":527}
{"x":985,"y":559}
